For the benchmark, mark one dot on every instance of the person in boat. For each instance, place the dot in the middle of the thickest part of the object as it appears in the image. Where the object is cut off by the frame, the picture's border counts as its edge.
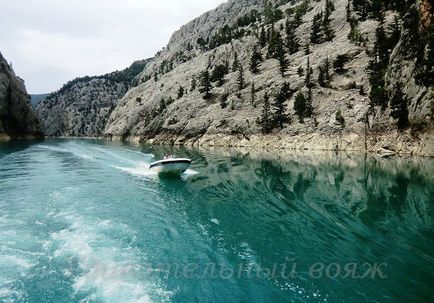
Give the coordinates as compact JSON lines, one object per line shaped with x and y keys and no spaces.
{"x":168,"y":157}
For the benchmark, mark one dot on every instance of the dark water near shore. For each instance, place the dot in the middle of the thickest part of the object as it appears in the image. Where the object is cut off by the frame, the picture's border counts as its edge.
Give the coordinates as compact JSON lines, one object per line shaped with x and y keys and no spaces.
{"x":86,"y":221}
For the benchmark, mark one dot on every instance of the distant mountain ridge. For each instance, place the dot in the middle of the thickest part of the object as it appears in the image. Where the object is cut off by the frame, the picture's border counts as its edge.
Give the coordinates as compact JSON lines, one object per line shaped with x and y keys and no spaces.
{"x":81,"y":107}
{"x":36,"y":98}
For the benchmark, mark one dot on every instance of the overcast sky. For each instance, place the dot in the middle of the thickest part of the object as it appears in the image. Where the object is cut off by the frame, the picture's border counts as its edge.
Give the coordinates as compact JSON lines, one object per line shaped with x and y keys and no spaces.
{"x":50,"y":42}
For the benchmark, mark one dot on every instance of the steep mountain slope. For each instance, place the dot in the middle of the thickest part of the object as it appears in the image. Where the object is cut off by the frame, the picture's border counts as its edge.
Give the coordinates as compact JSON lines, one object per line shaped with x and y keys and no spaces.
{"x":36,"y":98}
{"x":17,"y":119}
{"x":82,"y":106}
{"x":170,"y":104}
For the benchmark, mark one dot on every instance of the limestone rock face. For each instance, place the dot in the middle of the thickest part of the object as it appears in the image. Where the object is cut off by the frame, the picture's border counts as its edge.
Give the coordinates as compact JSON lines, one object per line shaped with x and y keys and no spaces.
{"x":82,"y":106}
{"x":192,"y":120}
{"x":17,"y":119}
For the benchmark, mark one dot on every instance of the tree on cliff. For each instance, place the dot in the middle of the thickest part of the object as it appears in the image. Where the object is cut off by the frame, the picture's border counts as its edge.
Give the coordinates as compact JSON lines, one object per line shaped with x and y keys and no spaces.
{"x":255,"y":60}
{"x":273,"y":44}
{"x":315,"y":35}
{"x":266,"y":119}
{"x":280,"y":116}
{"x":253,"y":94}
{"x":399,"y":106}
{"x":193,"y":84}
{"x":262,"y":37}
{"x":327,"y":29}
{"x":205,"y":86}
{"x":218,"y":74}
{"x":162,"y":105}
{"x":236,"y":62}
{"x":283,"y":62}
{"x":300,"y":106}
{"x":324,"y":76}
{"x":309,"y":73}
{"x":180,"y":92}
{"x":377,"y":69}
{"x":240,"y":80}
{"x":308,"y":112}
{"x":292,"y":42}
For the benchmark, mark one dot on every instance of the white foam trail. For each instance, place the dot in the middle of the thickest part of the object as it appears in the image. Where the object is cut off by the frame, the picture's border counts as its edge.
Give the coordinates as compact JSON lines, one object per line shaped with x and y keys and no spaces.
{"x":111,"y":272}
{"x":140,"y":170}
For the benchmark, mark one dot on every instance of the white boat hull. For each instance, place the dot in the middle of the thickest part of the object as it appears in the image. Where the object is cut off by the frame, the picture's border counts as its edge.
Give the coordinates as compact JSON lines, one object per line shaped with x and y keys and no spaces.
{"x":170,"y":166}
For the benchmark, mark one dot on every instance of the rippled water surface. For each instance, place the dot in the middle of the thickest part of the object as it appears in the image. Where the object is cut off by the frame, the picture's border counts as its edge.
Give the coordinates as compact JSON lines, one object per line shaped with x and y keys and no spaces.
{"x":86,"y":221}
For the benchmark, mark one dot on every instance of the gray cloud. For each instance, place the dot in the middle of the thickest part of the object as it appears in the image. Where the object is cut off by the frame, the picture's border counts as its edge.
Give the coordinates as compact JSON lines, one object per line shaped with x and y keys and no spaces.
{"x":50,"y":42}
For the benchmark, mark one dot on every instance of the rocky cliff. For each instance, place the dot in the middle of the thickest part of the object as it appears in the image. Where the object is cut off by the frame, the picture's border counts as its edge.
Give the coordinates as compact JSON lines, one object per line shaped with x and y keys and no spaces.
{"x":348,"y":111}
{"x":294,"y":74}
{"x":17,"y":119}
{"x":82,"y":106}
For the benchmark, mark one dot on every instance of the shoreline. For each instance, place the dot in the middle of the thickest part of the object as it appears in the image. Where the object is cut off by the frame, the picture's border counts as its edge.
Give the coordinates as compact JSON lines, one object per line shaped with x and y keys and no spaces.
{"x":384,"y":144}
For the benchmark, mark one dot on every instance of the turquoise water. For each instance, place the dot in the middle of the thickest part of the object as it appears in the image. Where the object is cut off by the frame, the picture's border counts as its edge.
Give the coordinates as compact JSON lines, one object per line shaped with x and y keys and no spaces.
{"x":86,"y":221}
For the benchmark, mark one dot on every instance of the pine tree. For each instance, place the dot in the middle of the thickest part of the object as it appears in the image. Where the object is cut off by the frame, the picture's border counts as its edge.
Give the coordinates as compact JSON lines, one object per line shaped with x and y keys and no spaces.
{"x":339,"y":118}
{"x":381,"y":47}
{"x":309,"y":107}
{"x":348,"y":11}
{"x":377,"y":70}
{"x":292,"y":42}
{"x":395,"y":33}
{"x":240,"y":80}
{"x":300,"y":106}
{"x":253,"y":94}
{"x":236,"y":62}
{"x":218,"y":74}
{"x":321,"y":78}
{"x":224,"y":100}
{"x":377,"y":9}
{"x":315,"y":35}
{"x":262,"y":37}
{"x":193,"y":84}
{"x":255,"y":60}
{"x":273,"y":44}
{"x":283,"y":62}
{"x":309,"y":72}
{"x":329,"y":6}
{"x":327,"y":29}
{"x":324,"y":76}
{"x":307,"y":48}
{"x":162,"y":105}
{"x":266,"y":119}
{"x":280,"y":116}
{"x":399,"y":106}
{"x":205,"y":84}
{"x":361,"y":6}
{"x":180,"y":92}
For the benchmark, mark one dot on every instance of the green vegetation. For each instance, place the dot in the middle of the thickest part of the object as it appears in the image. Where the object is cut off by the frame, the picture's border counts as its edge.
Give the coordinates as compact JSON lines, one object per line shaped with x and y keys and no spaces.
{"x":339,"y":118}
{"x":300,"y":106}
{"x":218,"y":74}
{"x":266,"y":121}
{"x":399,"y":106}
{"x":180,"y":92}
{"x":324,"y":76}
{"x":255,"y":60}
{"x":241,"y":83}
{"x":280,"y":116}
{"x":292,"y":42}
{"x":205,"y":86}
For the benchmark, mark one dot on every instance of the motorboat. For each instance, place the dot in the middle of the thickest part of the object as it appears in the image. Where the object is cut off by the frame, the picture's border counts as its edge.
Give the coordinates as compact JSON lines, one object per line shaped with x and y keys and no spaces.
{"x":170,"y":165}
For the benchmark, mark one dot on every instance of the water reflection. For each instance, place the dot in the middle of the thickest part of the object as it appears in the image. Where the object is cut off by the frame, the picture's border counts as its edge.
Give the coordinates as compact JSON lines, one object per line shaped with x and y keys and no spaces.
{"x":321,"y":208}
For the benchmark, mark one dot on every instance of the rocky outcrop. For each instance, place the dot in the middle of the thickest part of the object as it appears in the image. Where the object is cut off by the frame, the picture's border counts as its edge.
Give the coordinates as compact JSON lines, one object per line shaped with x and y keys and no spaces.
{"x":17,"y":119}
{"x":82,"y":106}
{"x":190,"y":119}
